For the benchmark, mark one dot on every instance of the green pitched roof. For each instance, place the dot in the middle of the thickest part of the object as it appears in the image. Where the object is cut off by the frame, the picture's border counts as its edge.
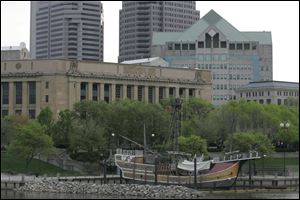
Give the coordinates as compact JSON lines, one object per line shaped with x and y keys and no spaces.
{"x":262,"y":37}
{"x":211,"y":19}
{"x":159,"y":38}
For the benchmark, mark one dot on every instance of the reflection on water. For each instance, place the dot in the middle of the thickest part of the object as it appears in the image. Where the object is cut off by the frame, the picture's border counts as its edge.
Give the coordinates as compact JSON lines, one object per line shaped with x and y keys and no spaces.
{"x":10,"y":194}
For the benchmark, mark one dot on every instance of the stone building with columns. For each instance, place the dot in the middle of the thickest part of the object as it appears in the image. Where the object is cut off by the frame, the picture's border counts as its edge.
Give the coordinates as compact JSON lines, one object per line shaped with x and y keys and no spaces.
{"x":27,"y":86}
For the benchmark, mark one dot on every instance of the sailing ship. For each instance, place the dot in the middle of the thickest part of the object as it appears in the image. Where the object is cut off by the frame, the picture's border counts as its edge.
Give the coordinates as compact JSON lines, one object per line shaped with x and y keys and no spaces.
{"x":144,"y":166}
{"x":209,"y":174}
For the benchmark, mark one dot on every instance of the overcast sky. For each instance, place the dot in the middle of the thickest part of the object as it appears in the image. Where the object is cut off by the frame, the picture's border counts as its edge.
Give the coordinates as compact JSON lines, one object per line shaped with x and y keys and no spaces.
{"x":281,"y":18}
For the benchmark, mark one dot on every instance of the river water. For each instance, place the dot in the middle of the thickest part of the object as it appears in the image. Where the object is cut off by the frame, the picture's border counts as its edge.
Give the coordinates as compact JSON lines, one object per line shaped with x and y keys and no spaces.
{"x":274,"y":194}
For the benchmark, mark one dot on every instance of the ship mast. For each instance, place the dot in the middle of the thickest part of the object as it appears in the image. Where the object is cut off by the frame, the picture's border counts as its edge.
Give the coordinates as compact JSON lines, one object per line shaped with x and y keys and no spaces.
{"x":176,"y":105}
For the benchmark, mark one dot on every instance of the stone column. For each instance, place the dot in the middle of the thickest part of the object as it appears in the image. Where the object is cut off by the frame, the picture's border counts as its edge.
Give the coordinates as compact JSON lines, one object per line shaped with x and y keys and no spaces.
{"x":186,"y":93}
{"x":167,"y":92}
{"x":113,"y":92}
{"x":11,"y":101}
{"x":156,"y":94}
{"x":72,"y":94}
{"x":146,"y":94}
{"x":101,"y":95}
{"x":38,"y":97}
{"x":135,"y":92}
{"x":197,"y":91}
{"x":25,"y":98}
{"x":177,"y":92}
{"x":124,"y":91}
{"x":90,"y":91}
{"x":78,"y":90}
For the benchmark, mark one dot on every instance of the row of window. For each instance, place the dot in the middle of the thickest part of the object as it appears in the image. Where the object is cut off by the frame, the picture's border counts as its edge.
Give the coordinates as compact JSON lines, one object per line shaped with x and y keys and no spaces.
{"x":18,"y":92}
{"x":223,"y":97}
{"x":31,"y":113}
{"x":231,"y":76}
{"x":288,"y":93}
{"x":130,"y":91}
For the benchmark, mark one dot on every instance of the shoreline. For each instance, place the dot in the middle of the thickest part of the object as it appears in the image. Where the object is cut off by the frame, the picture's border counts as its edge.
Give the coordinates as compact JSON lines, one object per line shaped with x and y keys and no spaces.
{"x":129,"y":190}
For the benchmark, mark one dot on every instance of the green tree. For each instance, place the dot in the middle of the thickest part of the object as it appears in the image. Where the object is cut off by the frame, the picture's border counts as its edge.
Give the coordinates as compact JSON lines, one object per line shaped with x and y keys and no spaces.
{"x":45,"y":118}
{"x":9,"y":127}
{"x":193,"y":144}
{"x":293,"y":101}
{"x":87,"y":136}
{"x":63,"y":129}
{"x":246,"y":141}
{"x":30,"y":142}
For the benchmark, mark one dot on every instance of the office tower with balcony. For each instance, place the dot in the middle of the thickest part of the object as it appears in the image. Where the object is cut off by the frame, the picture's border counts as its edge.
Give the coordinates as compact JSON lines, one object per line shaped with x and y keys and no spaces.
{"x":66,"y":30}
{"x":138,"y":19}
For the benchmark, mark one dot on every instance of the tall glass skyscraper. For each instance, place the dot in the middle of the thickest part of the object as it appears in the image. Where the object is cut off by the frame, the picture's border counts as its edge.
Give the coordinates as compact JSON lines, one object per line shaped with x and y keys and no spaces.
{"x":138,"y":19}
{"x":66,"y":29}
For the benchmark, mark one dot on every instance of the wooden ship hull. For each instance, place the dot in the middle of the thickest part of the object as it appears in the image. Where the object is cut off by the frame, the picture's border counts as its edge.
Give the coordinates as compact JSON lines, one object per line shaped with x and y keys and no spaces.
{"x":220,"y":174}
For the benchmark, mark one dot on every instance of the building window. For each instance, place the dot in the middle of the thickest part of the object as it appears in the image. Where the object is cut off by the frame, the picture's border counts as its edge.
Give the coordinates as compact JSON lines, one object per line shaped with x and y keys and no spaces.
{"x":278,"y":101}
{"x":261,"y":101}
{"x":161,"y":94}
{"x":177,"y":46}
{"x":268,"y":101}
{"x":140,"y":93}
{"x":18,"y":89}
{"x":246,"y":46}
{"x":95,"y":91}
{"x":150,"y":94}
{"x":200,"y":44}
{"x":47,"y":85}
{"x":192,"y":46}
{"x":170,"y":46}
{"x":46,"y":98}
{"x":32,"y":92}
{"x":129,"y":92}
{"x":31,"y":114}
{"x":4,"y":113}
{"x":5,"y":93}
{"x":184,"y":46}
{"x":83,"y":90}
{"x":118,"y":91}
{"x":107,"y":91}
{"x":207,"y":41}
{"x":216,"y":40}
{"x":239,"y":46}
{"x":231,"y":46}
{"x":223,"y":44}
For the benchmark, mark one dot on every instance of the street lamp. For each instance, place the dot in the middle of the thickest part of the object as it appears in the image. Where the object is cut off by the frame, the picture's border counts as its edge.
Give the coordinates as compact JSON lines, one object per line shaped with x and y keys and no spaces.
{"x":152,"y":135}
{"x":285,"y":126}
{"x":263,"y":163}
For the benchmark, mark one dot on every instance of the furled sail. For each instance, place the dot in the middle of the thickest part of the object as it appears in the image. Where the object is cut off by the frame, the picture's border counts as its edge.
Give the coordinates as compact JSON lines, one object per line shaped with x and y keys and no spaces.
{"x":189,"y":166}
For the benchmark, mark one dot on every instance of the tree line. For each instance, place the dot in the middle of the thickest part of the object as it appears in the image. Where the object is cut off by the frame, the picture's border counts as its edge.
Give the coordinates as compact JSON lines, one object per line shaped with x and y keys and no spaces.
{"x":92,"y":128}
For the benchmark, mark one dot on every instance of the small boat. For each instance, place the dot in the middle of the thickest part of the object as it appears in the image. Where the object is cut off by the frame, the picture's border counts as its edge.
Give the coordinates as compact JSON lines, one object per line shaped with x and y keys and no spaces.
{"x":209,"y":174}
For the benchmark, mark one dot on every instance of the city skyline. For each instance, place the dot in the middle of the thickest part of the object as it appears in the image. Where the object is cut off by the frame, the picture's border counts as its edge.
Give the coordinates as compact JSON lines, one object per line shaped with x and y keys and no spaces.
{"x":252,"y":16}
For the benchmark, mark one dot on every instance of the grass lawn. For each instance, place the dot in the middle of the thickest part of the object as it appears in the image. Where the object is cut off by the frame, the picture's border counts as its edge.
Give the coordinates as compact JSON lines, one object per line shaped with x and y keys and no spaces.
{"x":16,"y":165}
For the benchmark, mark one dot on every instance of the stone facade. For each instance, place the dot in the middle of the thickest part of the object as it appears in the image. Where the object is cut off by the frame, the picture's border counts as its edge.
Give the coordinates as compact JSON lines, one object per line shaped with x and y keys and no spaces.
{"x":15,"y":52}
{"x":269,"y":92}
{"x":29,"y":86}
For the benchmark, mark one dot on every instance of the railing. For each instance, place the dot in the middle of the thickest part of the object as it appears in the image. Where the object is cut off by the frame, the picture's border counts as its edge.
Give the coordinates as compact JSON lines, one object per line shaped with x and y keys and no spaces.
{"x":234,"y":156}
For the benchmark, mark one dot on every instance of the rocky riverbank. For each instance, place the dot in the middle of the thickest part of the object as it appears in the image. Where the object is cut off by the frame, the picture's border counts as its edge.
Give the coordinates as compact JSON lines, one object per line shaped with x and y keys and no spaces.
{"x":119,"y":190}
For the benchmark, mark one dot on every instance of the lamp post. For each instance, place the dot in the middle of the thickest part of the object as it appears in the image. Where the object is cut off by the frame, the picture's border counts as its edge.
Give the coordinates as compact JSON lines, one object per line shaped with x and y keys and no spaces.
{"x":263,"y":164}
{"x":110,"y":144}
{"x":152,"y":139}
{"x":285,"y":126}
